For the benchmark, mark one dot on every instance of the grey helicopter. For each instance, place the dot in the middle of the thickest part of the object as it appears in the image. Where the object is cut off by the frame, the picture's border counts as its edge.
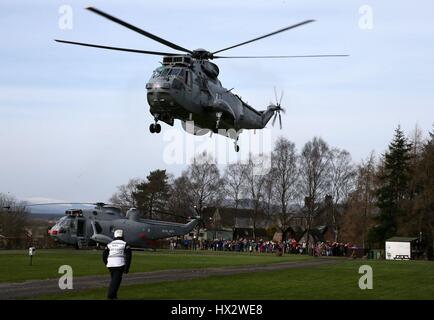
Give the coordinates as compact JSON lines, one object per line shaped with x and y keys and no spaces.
{"x":186,"y":87}
{"x":82,"y":227}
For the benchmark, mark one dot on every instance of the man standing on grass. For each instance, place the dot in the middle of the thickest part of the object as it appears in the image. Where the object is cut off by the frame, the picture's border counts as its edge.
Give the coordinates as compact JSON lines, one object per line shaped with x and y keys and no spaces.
{"x":117,"y":258}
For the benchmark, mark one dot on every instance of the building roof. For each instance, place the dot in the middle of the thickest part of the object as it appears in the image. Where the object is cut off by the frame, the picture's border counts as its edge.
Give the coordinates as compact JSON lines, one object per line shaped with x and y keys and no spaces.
{"x":402,"y":239}
{"x":231,"y":217}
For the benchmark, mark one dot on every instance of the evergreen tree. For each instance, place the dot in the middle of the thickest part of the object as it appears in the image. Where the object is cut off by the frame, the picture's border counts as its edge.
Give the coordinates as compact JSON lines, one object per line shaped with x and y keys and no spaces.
{"x":422,"y":213}
{"x":153,"y":194}
{"x":393,"y":188}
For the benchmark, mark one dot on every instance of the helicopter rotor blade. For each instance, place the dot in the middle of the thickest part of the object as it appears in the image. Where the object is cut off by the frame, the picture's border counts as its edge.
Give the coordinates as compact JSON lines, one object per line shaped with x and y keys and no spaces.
{"x":265,"y":36}
{"x":170,"y":214}
{"x":138,"y":30}
{"x":274,"y":119}
{"x":283,"y":57}
{"x":58,"y":203}
{"x":118,"y":49}
{"x":275,"y":94}
{"x":280,"y":121}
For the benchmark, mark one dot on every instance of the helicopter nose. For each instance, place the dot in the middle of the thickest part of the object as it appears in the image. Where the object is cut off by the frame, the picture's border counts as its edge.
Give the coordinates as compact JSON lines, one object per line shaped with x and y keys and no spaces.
{"x":157,"y":85}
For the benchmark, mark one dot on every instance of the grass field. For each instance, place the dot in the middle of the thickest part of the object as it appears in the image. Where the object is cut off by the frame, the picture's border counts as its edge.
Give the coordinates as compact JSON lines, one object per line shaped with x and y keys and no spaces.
{"x":14,"y":265}
{"x":391,"y":280}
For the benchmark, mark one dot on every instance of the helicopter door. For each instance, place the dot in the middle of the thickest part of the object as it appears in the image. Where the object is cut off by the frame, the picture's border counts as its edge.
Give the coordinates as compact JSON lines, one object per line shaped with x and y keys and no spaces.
{"x":186,"y":75}
{"x":80,"y":227}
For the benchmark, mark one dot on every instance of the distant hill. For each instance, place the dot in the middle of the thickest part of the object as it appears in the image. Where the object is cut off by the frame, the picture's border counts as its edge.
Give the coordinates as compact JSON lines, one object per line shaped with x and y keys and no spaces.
{"x":45,"y":216}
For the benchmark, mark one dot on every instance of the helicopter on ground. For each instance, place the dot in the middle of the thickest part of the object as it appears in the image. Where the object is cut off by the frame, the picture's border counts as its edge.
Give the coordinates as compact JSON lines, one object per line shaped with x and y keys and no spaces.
{"x":186,"y":87}
{"x":96,"y":225}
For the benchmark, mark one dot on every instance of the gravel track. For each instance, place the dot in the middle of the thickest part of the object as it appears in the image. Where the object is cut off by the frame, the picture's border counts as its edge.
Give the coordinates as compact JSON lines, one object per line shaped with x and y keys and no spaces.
{"x":34,"y":288}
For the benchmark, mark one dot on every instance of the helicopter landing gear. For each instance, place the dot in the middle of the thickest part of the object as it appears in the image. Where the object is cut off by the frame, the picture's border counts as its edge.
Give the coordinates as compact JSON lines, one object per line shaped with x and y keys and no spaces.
{"x":155,"y":128}
{"x":218,"y":116}
{"x":236,"y":146}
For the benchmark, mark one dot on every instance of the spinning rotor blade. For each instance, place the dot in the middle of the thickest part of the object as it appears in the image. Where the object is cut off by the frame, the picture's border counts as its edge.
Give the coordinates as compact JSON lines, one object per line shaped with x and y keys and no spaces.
{"x":282,"y":57}
{"x":57,"y":203}
{"x":275,"y":94}
{"x":274,"y":119}
{"x":280,"y":121}
{"x":170,"y":214}
{"x":267,"y":35}
{"x":138,"y":30}
{"x":280,"y":101}
{"x":118,"y":49}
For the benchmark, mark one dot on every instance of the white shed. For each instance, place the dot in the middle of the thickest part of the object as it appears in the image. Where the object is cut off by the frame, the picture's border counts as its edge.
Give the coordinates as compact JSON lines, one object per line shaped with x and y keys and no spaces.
{"x":399,"y":248}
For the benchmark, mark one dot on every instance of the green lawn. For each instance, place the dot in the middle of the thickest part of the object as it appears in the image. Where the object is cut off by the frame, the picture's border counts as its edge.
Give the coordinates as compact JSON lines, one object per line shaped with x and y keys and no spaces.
{"x":391,"y":280}
{"x":14,"y":265}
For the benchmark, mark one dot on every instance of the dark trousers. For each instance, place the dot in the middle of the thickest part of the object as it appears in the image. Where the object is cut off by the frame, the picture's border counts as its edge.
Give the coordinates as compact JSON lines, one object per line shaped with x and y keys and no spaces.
{"x":116,"y":278}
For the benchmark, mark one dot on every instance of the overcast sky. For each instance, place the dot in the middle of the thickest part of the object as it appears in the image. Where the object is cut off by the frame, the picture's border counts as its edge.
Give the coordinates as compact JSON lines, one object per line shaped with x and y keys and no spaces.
{"x":74,"y":120}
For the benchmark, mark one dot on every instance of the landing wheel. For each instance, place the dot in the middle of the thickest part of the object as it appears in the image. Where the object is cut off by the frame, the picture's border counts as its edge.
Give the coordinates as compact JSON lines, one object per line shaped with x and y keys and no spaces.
{"x":152,"y":128}
{"x":157,"y":128}
{"x":236,"y":146}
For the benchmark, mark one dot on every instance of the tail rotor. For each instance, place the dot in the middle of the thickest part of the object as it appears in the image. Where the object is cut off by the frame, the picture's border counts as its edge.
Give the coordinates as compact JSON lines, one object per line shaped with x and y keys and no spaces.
{"x":277,"y":108}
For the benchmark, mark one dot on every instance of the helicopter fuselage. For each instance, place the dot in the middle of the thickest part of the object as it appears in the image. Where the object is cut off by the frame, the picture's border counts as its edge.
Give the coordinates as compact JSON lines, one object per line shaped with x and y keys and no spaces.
{"x":86,"y":227}
{"x":186,"y":86}
{"x":189,"y":90}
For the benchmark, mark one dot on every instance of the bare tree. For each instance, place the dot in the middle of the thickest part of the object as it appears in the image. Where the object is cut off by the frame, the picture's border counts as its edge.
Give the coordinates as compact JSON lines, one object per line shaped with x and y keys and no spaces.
{"x":342,"y":175}
{"x":233,"y":178}
{"x":124,"y":197}
{"x":284,"y":163}
{"x":13,"y":221}
{"x":314,"y":178}
{"x":268,"y":202}
{"x":181,"y":201}
{"x":256,"y":175}
{"x":417,"y":142}
{"x":361,"y":203}
{"x":205,"y":181}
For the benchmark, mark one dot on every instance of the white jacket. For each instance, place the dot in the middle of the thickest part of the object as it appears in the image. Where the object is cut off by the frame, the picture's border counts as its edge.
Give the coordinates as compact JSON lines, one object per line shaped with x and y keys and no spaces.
{"x":116,"y":257}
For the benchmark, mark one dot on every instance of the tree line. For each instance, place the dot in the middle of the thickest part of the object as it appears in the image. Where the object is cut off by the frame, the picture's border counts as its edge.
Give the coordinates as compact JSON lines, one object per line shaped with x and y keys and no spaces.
{"x":366,"y":203}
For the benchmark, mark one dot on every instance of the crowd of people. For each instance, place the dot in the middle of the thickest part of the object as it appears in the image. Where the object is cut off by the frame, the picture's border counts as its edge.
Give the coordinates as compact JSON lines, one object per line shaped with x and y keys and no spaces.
{"x":261,"y":246}
{"x":334,"y":249}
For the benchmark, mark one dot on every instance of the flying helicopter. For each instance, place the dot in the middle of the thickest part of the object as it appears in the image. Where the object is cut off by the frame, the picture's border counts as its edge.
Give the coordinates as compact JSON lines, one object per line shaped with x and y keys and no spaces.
{"x":186,"y":87}
{"x":96,"y":224}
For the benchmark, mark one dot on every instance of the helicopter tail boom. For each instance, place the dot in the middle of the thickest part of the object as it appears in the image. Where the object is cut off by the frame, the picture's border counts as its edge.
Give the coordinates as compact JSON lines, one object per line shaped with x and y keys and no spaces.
{"x":191,"y":225}
{"x":268,"y":114}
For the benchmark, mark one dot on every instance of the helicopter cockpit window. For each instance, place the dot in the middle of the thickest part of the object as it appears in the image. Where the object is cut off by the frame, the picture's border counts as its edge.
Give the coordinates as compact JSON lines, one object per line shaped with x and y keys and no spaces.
{"x":174,"y":71}
{"x":63,"y":222}
{"x":182,"y":74}
{"x":160,"y":72}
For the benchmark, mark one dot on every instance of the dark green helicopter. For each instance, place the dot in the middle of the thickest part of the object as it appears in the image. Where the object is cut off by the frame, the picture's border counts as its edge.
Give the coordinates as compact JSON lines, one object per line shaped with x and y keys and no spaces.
{"x":186,"y":87}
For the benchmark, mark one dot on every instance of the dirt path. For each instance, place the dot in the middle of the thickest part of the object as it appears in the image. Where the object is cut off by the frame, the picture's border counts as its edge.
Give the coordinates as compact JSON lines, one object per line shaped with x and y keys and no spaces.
{"x":34,"y":288}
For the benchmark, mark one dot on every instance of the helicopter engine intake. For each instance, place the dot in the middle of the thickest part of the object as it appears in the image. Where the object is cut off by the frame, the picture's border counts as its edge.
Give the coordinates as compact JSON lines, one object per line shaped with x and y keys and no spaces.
{"x":133,"y":214}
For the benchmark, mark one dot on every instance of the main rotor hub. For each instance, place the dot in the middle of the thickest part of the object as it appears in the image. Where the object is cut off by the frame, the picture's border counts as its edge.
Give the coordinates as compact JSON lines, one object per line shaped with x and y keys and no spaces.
{"x":202,"y":54}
